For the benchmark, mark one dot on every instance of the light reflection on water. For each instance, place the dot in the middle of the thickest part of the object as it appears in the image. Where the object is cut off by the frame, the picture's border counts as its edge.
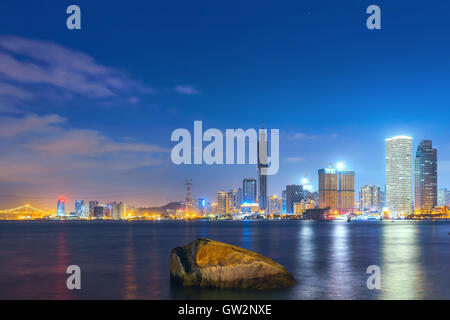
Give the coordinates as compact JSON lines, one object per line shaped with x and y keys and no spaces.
{"x":402,"y":277}
{"x":131,"y":260}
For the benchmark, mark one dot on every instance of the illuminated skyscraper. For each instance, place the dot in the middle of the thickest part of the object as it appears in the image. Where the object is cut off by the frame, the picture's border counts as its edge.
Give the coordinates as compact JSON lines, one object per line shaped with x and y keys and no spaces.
{"x":222,"y":202}
{"x":370,"y":198}
{"x":275,"y":205}
{"x":294,"y":193}
{"x":346,"y":192}
{"x":399,"y":174}
{"x":92,"y":205}
{"x":283,"y":201}
{"x":443,"y":197}
{"x":328,"y":188}
{"x":61,"y":208}
{"x":262,"y":164}
{"x":249,"y":190}
{"x":79,"y":207}
{"x":118,"y":210}
{"x":425,"y":176}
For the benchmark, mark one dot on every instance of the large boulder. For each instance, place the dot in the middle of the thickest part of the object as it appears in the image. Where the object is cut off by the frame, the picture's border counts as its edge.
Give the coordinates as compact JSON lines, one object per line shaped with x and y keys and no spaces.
{"x":209,"y":263}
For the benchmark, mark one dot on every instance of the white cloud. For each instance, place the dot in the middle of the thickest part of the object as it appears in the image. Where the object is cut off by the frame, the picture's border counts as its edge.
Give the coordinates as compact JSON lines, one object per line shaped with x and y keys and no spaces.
{"x":188,"y":90}
{"x":294,"y":159}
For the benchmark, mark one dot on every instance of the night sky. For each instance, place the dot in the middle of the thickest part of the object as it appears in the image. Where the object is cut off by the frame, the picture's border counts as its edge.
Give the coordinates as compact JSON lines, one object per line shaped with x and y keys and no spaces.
{"x":88,"y":114}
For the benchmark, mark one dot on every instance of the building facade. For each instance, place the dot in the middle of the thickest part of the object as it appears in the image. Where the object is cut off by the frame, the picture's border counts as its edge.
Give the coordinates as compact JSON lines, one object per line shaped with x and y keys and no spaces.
{"x":425,"y":177}
{"x":399,"y":174}
{"x":294,"y":193}
{"x":262,"y":166}
{"x":61,"y":207}
{"x":346,"y":191}
{"x":249,"y":190}
{"x":370,"y":198}
{"x":443,"y":197}
{"x":222,"y":202}
{"x":275,"y":205}
{"x":328,"y":188}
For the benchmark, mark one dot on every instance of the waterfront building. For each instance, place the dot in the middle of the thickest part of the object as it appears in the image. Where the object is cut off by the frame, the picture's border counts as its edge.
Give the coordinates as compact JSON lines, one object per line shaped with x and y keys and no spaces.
{"x":240,"y":195}
{"x":399,"y":174}
{"x":202,"y":206}
{"x":262,"y":165}
{"x":233,"y":205}
{"x":222,"y":202}
{"x":370,"y":198}
{"x":79,"y":207}
{"x":99,"y":212}
{"x":294,"y":193}
{"x":444,"y":197}
{"x":283,"y":201}
{"x":249,"y":190}
{"x":346,"y":192}
{"x":92,"y":205}
{"x":118,"y":210}
{"x":425,"y":177}
{"x":275,"y":205}
{"x":61,"y":207}
{"x":328,"y":188}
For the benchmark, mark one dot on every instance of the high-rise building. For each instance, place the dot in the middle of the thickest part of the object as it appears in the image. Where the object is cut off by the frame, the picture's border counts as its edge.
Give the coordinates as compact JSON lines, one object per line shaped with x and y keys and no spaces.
{"x":92,"y":205}
{"x":202,"y":206}
{"x":85,"y":211}
{"x":61,"y":207}
{"x":425,"y":176}
{"x":222,"y":202}
{"x":346,"y":192}
{"x":118,"y":210}
{"x":294,"y":193}
{"x":99,"y":212}
{"x":443,"y":197}
{"x":240,"y":195}
{"x":370,"y":198}
{"x":233,"y":201}
{"x":399,"y":174}
{"x":275,"y":205}
{"x":283,"y":201}
{"x":79,"y":207}
{"x":262,"y":166}
{"x":249,"y":190}
{"x":328,"y":188}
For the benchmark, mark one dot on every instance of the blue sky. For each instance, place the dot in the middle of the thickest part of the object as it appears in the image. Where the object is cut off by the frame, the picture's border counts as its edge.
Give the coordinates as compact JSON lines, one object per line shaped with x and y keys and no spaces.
{"x":100,"y":103}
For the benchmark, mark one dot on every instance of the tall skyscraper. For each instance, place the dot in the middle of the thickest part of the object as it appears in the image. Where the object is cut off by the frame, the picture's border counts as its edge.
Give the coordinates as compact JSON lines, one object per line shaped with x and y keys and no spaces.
{"x":222,"y":202}
{"x":283,"y":201}
{"x":399,"y":174}
{"x":240,"y":195}
{"x":99,"y":212}
{"x":346,"y":192}
{"x":425,"y":176}
{"x":328,"y":188}
{"x":249,"y":190}
{"x":79,"y":207}
{"x":118,"y":210}
{"x":262,"y":165}
{"x":92,"y":205}
{"x":275,"y":205}
{"x":443,"y":197}
{"x":294,"y":193}
{"x":370,"y":198}
{"x":61,"y":207}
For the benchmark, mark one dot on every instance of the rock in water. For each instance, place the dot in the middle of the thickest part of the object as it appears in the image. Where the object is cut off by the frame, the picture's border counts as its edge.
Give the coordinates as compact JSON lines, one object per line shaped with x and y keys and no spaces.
{"x":208,"y":263}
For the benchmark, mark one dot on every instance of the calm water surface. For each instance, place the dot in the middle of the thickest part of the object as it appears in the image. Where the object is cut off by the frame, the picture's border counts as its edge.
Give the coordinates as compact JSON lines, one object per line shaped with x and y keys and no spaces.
{"x":130,"y":260}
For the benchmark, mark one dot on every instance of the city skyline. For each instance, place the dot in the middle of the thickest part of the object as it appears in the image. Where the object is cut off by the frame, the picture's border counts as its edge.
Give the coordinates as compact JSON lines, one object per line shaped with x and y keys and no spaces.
{"x":101,"y":128}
